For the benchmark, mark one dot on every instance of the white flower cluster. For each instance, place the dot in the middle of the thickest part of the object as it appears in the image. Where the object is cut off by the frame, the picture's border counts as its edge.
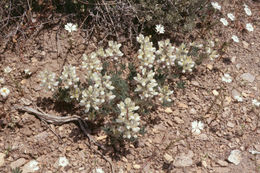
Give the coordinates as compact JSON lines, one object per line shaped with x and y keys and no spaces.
{"x":256,"y":103}
{"x":247,"y":10}
{"x":7,"y":70}
{"x":128,"y":119}
{"x":249,"y":26}
{"x":183,"y":59}
{"x":98,"y":93}
{"x":165,"y":54}
{"x":216,"y":5}
{"x":146,"y":53}
{"x":146,"y":84}
{"x":70,"y":27}
{"x":164,"y":94}
{"x":113,"y":50}
{"x":159,"y":29}
{"x":48,"y":80}
{"x":213,"y":54}
{"x":69,"y":77}
{"x":92,"y":65}
{"x":226,"y":78}
{"x":4,"y":92}
{"x":196,"y":126}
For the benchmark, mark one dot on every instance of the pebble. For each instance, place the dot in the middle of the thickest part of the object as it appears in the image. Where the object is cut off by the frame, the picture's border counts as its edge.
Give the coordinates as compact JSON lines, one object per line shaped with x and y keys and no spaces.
{"x":235,"y":93}
{"x":136,"y":166}
{"x":25,"y":101}
{"x":221,"y":170}
{"x":230,"y":124}
{"x":245,"y":44}
{"x":168,"y":110}
{"x":257,"y":147}
{"x":204,"y":164}
{"x":235,"y":157}
{"x":195,"y":83}
{"x":193,"y":111}
{"x":41,"y":136}
{"x":31,"y":166}
{"x":184,"y":160}
{"x":215,"y":92}
{"x":168,"y":157}
{"x":18,"y":163}
{"x":209,"y":66}
{"x":178,"y":120}
{"x":2,"y":159}
{"x":203,"y":137}
{"x":182,"y":105}
{"x":248,"y":77}
{"x":222,"y":163}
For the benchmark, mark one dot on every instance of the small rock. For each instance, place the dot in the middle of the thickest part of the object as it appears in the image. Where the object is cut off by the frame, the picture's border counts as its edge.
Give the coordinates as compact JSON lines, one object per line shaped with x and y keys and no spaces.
{"x":233,"y":59}
{"x":195,"y":83}
{"x":178,"y":120}
{"x":209,"y":66}
{"x":23,"y":82}
{"x":215,"y":92}
{"x":176,"y":112}
{"x":193,"y":111}
{"x":168,"y":157}
{"x":257,"y":147}
{"x":248,"y":77}
{"x":41,"y":136}
{"x":203,"y":137}
{"x":18,"y":163}
{"x":25,"y":101}
{"x":168,"y":110}
{"x":124,"y":159}
{"x":63,"y":161}
{"x":235,"y":93}
{"x":221,"y":170}
{"x":2,"y":159}
{"x":235,"y":157}
{"x":31,"y":166}
{"x":136,"y":166}
{"x":230,"y":124}
{"x":222,"y":163}
{"x":182,"y":105}
{"x":245,"y":44}
{"x":204,"y":164}
{"x":184,"y":160}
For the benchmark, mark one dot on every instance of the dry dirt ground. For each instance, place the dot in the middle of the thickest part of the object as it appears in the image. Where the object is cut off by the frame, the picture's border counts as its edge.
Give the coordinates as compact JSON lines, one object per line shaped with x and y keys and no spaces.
{"x":166,"y":146}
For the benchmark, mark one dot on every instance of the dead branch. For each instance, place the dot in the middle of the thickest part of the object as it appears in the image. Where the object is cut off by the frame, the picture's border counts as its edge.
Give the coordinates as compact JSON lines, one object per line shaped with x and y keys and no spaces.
{"x":67,"y":119}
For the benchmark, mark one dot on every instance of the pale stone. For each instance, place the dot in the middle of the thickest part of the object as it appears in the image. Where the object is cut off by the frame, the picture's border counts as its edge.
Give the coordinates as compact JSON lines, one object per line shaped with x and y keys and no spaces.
{"x":248,"y":77}
{"x":168,"y":157}
{"x":184,"y":160}
{"x":235,"y":157}
{"x":230,"y":124}
{"x":168,"y":110}
{"x":2,"y":159}
{"x":215,"y":92}
{"x":182,"y":105}
{"x":222,"y":163}
{"x":31,"y":166}
{"x":178,"y":120}
{"x":209,"y":66}
{"x":136,"y":166}
{"x":18,"y":163}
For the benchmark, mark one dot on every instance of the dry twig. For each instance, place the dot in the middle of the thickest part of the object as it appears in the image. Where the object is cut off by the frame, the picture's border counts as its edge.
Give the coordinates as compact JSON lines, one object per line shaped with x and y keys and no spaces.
{"x":67,"y":119}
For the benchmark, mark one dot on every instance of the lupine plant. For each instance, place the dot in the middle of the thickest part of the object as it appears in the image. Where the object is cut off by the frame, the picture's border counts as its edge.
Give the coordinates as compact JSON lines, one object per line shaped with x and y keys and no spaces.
{"x":99,"y":87}
{"x":125,"y":92}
